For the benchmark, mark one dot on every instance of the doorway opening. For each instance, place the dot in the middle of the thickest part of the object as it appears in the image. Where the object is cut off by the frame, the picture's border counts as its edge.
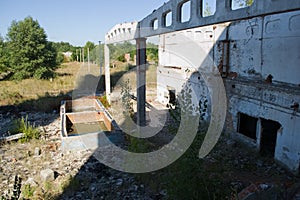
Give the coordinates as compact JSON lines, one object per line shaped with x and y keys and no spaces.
{"x":269,"y":130}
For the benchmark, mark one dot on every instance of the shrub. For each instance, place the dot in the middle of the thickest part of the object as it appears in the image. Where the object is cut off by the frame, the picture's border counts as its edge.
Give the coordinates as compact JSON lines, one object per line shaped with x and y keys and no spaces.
{"x":104,"y":101}
{"x":30,"y":131}
{"x":28,"y":191}
{"x":121,"y":58}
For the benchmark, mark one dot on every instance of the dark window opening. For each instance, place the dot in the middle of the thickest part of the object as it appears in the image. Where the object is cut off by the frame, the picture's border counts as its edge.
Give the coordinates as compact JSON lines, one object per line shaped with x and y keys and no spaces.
{"x":269,"y":130}
{"x":172,"y":97}
{"x":167,"y":18}
{"x":154,"y":24}
{"x":247,"y":125}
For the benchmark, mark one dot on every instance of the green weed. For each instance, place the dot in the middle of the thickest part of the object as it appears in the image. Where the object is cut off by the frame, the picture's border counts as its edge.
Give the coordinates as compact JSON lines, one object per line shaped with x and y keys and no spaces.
{"x":28,"y":191}
{"x":29,"y":130}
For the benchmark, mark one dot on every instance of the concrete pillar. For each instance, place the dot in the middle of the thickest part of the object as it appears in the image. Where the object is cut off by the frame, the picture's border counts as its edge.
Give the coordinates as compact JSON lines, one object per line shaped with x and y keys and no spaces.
{"x":141,"y":80}
{"x":107,"y":73}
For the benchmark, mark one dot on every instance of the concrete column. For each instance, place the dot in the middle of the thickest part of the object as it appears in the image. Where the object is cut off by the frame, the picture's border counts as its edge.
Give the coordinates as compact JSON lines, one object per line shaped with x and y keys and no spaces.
{"x":141,"y":80}
{"x":107,"y":73}
{"x":258,"y":134}
{"x":195,"y":5}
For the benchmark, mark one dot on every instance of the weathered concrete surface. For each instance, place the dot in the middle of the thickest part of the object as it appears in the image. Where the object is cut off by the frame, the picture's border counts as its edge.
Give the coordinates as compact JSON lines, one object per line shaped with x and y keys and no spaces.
{"x":86,"y":140}
{"x":258,"y":47}
{"x":122,"y":32}
{"x":223,"y":13}
{"x":256,"y":52}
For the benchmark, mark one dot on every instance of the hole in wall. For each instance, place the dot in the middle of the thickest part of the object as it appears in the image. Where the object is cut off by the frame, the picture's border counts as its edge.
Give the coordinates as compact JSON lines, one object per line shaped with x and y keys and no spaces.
{"x":208,"y":8}
{"x":239,"y":4}
{"x":167,"y":18}
{"x":172,"y":96}
{"x":247,"y":125}
{"x":154,"y":24}
{"x":185,"y":12}
{"x":269,"y":130}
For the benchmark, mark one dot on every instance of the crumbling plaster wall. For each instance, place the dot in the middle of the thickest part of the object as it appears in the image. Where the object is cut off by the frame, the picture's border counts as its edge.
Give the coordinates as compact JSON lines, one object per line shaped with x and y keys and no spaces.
{"x":259,"y":47}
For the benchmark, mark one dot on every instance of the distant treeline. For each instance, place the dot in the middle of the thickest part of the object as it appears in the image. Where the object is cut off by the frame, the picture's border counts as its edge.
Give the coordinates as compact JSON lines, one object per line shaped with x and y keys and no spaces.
{"x":117,"y":51}
{"x":25,"y":52}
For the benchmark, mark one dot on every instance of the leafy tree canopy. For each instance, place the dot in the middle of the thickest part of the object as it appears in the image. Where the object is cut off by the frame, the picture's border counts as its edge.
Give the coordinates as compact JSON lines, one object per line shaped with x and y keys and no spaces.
{"x":63,"y":46}
{"x":89,"y":45}
{"x":3,"y":55}
{"x":30,"y":54}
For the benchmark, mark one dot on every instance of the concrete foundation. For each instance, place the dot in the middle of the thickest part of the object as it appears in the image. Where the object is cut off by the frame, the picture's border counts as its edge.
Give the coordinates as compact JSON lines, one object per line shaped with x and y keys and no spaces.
{"x":85,"y":115}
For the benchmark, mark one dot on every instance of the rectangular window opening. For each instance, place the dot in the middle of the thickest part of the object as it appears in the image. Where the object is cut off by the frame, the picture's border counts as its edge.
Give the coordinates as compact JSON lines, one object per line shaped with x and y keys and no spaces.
{"x":167,"y":18}
{"x":172,"y":96}
{"x":239,"y":4}
{"x":154,"y":24}
{"x":185,"y":12}
{"x":208,"y":8}
{"x":247,"y":125}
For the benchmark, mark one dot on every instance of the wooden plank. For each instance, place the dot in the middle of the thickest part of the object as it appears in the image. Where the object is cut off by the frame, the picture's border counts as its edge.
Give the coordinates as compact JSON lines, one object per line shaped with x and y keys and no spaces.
{"x":12,"y":137}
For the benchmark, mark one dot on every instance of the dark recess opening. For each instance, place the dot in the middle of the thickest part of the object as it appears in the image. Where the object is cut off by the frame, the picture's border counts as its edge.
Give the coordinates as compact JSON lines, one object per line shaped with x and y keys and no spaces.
{"x":269,"y":130}
{"x":247,"y":125}
{"x":172,"y":97}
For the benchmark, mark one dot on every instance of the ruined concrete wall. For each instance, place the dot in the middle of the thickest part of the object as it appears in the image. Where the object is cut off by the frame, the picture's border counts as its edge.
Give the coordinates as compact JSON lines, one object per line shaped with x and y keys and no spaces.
{"x":262,"y":75}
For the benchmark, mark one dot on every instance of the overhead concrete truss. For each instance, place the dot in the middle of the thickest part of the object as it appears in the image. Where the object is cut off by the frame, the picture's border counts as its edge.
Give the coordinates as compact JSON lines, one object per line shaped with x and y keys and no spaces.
{"x":265,"y":14}
{"x":224,"y":13}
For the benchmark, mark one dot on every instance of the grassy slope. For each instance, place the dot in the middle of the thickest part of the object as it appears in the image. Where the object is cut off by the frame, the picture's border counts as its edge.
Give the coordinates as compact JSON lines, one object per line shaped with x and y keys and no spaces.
{"x":16,"y":92}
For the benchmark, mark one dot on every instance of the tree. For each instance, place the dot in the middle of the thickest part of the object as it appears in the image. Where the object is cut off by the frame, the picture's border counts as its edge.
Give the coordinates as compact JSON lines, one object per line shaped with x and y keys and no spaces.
{"x":89,"y":45}
{"x":3,"y":56}
{"x":152,"y":52}
{"x":62,"y":46}
{"x":31,"y":55}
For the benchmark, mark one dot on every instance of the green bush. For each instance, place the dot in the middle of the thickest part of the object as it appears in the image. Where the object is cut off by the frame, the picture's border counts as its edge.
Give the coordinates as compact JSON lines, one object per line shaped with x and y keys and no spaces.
{"x":121,"y":58}
{"x":104,"y":101}
{"x":30,"y":131}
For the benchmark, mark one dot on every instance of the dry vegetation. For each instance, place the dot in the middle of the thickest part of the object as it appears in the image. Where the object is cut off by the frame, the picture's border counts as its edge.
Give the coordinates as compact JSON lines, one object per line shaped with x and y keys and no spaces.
{"x":15,"y":92}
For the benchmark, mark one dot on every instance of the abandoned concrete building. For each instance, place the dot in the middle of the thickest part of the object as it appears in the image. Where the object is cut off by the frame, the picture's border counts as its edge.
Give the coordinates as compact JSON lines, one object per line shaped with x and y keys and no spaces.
{"x":254,"y":48}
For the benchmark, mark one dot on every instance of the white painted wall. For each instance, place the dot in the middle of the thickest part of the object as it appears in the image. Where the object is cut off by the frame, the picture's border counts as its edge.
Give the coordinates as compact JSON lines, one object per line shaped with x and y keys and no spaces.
{"x":258,"y":47}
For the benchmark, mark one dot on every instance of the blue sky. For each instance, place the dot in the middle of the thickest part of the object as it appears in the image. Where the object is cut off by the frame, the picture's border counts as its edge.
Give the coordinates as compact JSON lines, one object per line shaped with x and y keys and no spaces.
{"x":75,"y":21}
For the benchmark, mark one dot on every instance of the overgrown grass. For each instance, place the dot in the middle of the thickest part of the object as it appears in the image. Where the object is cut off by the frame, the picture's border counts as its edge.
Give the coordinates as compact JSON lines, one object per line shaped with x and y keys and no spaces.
{"x":189,"y":177}
{"x":16,"y":92}
{"x":28,"y":191}
{"x":123,"y":72}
